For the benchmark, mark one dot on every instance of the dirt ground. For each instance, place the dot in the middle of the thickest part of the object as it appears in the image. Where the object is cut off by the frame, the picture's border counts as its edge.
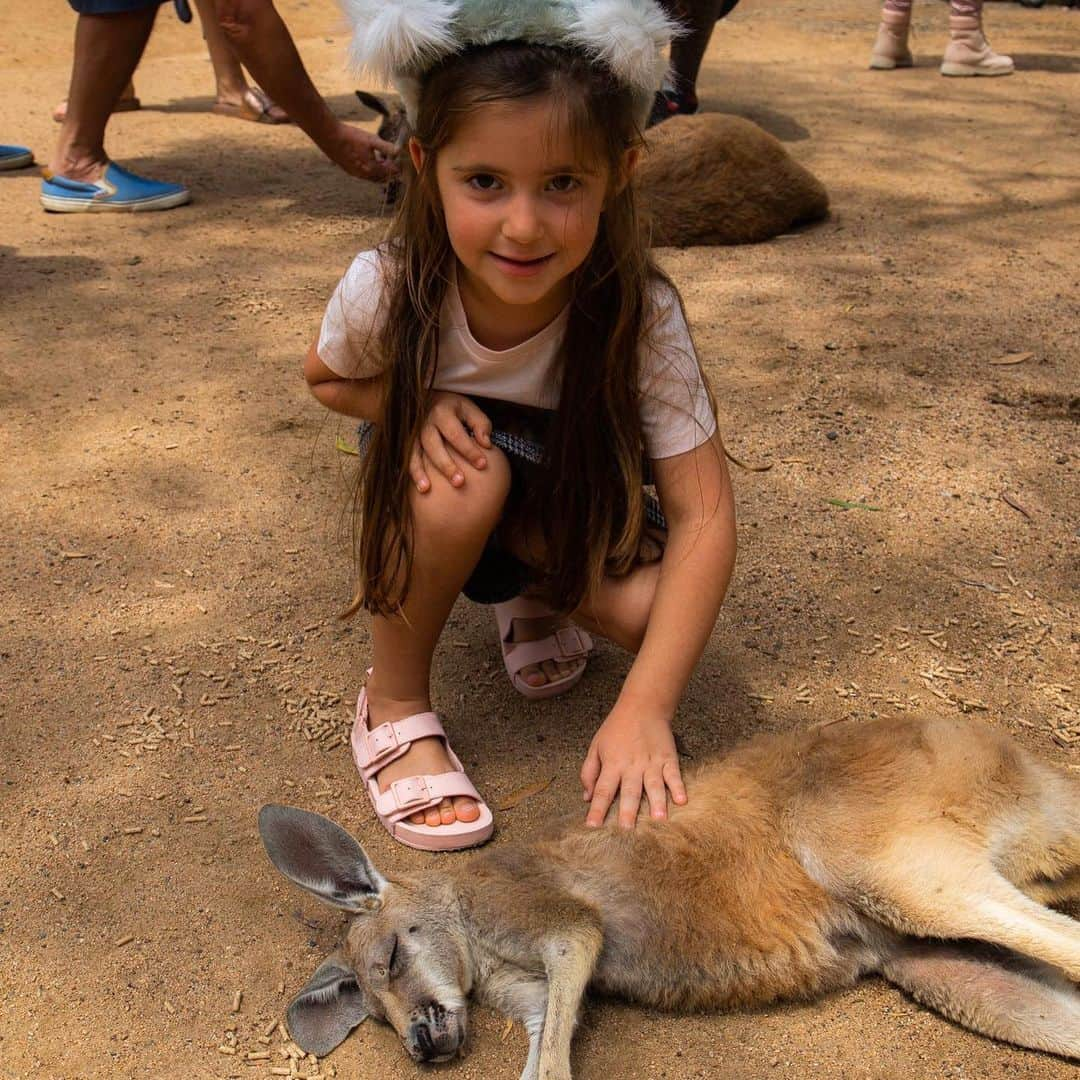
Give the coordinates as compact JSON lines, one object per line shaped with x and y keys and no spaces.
{"x":172,"y":497}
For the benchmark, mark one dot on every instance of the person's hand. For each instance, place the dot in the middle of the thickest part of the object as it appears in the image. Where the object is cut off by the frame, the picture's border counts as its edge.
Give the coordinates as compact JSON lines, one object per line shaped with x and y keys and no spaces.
{"x":362,"y":154}
{"x":454,"y":426}
{"x":631,"y":752}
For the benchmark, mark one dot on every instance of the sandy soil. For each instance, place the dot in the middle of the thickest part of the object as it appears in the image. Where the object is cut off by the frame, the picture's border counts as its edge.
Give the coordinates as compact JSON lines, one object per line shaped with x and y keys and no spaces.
{"x":172,"y":498}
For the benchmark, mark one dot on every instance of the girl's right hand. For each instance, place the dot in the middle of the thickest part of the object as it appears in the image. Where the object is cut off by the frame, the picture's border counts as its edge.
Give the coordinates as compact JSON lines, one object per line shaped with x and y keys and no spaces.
{"x":454,"y":425}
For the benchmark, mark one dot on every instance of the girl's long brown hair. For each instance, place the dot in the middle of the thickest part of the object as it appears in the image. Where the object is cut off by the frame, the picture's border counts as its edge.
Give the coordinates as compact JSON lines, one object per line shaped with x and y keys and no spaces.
{"x":589,"y":490}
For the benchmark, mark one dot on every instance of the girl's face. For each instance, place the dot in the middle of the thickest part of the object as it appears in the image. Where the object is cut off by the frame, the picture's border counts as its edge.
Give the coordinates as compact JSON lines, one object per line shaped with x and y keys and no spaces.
{"x":522,"y":209}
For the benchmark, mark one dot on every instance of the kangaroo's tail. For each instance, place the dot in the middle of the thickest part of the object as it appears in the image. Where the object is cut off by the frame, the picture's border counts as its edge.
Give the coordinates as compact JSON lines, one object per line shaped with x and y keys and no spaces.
{"x":993,"y":991}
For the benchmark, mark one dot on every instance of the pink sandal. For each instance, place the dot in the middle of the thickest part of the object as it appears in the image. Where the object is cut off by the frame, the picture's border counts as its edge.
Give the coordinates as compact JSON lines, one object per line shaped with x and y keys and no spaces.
{"x":373,"y":750}
{"x":568,"y":643}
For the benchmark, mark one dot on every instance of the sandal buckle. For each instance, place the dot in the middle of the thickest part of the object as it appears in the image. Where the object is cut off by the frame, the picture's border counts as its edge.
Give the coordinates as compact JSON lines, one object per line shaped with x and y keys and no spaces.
{"x":570,"y":642}
{"x":382,"y":741}
{"x":410,"y":792}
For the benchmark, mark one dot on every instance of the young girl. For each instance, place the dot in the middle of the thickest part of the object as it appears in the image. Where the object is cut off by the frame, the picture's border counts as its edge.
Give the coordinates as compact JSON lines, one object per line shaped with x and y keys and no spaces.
{"x":524,"y":368}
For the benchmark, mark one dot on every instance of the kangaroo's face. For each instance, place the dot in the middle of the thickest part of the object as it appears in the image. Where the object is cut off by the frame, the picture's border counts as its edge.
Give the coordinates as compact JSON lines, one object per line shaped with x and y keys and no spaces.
{"x":403,"y":959}
{"x":410,"y":970}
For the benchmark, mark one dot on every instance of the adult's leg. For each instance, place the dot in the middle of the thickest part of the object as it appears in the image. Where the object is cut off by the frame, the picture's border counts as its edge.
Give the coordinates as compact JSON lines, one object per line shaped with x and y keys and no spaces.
{"x":230,"y":84}
{"x":451,"y":526}
{"x":699,"y":17}
{"x":107,"y":51}
{"x":128,"y":102}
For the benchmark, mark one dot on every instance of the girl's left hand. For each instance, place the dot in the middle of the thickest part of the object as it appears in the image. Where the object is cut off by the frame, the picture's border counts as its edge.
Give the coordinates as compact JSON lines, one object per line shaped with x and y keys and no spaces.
{"x":631,"y":752}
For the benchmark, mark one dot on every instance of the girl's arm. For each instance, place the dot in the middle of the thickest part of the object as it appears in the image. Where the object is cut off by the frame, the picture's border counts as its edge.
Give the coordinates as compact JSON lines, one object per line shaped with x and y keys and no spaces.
{"x":699,"y":556}
{"x":454,"y":423}
{"x":634,"y":749}
{"x":361,"y":398}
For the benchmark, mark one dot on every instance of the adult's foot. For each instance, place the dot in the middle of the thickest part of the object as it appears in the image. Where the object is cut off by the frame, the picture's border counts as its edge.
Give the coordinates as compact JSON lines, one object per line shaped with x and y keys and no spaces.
{"x":424,"y":757}
{"x":15,"y":157}
{"x":115,"y":190}
{"x":251,"y":103}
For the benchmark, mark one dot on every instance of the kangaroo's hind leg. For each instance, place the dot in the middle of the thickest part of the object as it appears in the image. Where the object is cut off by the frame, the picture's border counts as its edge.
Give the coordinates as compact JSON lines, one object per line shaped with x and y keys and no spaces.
{"x":990,"y":991}
{"x":938,"y":887}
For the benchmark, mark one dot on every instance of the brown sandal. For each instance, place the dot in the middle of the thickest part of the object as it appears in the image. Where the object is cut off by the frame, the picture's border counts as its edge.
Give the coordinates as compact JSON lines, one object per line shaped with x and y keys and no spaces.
{"x":128,"y":103}
{"x":256,"y":106}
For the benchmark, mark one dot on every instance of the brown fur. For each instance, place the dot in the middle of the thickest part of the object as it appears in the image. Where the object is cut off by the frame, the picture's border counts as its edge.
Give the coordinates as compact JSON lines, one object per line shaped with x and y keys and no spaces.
{"x":717,"y":179}
{"x":800,"y":863}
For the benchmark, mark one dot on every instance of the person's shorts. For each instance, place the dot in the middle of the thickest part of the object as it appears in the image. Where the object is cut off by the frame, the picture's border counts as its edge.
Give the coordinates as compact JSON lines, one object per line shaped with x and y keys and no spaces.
{"x":113,"y":7}
{"x":517,"y":431}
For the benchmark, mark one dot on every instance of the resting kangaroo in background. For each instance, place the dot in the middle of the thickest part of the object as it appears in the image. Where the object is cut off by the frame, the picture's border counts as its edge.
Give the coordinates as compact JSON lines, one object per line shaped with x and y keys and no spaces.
{"x":704,"y":179}
{"x":922,"y":851}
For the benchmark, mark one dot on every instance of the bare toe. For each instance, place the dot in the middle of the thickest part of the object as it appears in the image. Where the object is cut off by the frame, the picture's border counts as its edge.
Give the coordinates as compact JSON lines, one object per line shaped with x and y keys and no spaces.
{"x":466,"y":809}
{"x":533,"y":675}
{"x":417,"y":818}
{"x":446,"y":812}
{"x":551,"y":670}
{"x":432,"y":816}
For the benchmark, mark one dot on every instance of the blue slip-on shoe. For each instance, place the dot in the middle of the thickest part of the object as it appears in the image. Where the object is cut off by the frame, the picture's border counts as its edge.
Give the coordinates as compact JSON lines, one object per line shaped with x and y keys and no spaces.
{"x":116,"y":191}
{"x":15,"y":157}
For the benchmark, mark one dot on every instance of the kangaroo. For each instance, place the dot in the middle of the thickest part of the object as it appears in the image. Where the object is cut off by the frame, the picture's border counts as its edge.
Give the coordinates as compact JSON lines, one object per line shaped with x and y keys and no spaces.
{"x":712,"y":178}
{"x":924,"y":851}
{"x":704,"y":179}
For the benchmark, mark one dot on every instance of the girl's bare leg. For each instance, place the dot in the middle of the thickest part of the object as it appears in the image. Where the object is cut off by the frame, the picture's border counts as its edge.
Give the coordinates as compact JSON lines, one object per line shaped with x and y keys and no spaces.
{"x":620,"y":608}
{"x":619,"y":611}
{"x":451,"y":527}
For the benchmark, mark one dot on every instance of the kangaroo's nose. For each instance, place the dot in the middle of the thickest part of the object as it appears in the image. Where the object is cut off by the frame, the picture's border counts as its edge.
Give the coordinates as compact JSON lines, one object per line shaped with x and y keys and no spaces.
{"x":421,"y":1036}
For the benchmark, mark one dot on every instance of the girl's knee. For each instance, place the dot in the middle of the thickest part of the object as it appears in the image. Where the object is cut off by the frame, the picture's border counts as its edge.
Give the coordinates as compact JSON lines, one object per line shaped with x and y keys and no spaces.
{"x":623,"y":607}
{"x":477,"y":502}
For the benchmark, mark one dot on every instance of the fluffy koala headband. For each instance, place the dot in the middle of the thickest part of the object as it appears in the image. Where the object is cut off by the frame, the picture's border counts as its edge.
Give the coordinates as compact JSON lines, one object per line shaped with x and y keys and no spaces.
{"x":400,"y":40}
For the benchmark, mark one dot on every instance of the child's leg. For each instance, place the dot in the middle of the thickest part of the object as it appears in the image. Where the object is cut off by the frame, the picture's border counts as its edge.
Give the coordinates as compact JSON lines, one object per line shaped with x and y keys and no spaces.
{"x":619,"y":611}
{"x":451,"y":526}
{"x":620,"y":608}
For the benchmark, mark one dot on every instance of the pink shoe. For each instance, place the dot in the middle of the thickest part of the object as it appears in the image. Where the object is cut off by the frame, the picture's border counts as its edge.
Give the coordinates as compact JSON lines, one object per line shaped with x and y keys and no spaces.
{"x":569,"y":643}
{"x":372,"y":750}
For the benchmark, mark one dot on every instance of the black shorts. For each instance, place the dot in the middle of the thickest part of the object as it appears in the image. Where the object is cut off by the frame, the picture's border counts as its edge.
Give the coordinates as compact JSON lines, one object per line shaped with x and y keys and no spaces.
{"x":517,"y":431}
{"x":113,"y":7}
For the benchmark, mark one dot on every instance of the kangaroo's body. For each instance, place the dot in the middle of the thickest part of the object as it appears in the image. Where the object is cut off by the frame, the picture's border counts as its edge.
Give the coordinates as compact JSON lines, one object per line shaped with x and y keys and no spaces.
{"x":799,"y":864}
{"x":712,"y":178}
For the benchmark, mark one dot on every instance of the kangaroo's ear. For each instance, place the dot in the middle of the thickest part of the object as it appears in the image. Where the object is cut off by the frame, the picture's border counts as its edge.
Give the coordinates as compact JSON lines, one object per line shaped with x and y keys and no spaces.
{"x":321,"y":857}
{"x":371,"y":101}
{"x":327,"y":1009}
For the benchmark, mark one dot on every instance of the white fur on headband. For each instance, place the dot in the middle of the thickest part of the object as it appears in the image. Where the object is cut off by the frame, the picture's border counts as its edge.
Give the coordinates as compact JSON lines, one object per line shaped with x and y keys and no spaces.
{"x":400,"y":40}
{"x":391,"y":37}
{"x":628,"y":36}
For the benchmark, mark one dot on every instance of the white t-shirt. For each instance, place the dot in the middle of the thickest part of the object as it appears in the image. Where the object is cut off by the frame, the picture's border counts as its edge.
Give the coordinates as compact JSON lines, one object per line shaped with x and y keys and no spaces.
{"x":675,"y":412}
